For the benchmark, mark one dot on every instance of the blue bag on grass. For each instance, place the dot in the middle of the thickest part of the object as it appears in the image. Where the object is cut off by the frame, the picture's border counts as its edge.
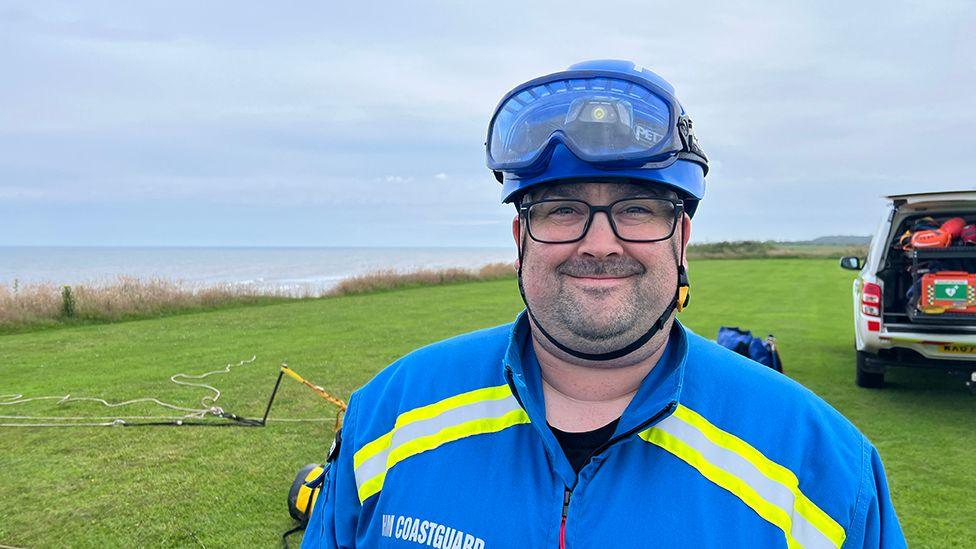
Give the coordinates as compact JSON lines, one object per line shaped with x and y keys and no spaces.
{"x":744,"y":343}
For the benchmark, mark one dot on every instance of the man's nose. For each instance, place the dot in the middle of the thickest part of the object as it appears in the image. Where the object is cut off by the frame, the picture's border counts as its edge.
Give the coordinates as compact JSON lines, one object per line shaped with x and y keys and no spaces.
{"x":600,"y":240}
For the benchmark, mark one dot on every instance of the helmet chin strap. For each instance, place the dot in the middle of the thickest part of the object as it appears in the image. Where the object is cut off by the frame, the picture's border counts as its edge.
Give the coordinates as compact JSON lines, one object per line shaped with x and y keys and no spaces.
{"x":679,"y":302}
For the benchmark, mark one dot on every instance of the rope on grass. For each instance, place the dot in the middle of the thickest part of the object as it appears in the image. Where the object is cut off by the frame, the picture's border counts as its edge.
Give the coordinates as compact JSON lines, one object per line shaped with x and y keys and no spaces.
{"x":81,"y":421}
{"x":208,"y":402}
{"x":103,"y":424}
{"x":82,"y":418}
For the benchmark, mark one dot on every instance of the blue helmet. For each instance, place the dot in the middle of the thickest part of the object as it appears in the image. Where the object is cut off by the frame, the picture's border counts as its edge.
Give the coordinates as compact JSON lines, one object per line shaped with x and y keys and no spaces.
{"x":597,"y":120}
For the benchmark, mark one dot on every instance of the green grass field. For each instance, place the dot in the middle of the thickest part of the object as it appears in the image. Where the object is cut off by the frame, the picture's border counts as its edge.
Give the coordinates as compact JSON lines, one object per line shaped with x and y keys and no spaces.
{"x":226,"y":487}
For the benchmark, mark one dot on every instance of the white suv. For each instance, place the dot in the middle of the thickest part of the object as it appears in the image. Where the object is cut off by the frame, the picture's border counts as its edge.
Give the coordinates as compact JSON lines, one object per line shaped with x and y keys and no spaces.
{"x":890,"y":330}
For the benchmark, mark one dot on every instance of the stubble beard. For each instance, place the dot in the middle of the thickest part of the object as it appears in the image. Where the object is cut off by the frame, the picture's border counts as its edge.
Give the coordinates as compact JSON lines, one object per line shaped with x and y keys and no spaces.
{"x":599,"y":320}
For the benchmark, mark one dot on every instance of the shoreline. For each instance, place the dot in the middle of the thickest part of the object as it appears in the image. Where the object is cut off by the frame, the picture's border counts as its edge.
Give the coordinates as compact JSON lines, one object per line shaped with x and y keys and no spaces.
{"x":36,"y":306}
{"x":297,"y":270}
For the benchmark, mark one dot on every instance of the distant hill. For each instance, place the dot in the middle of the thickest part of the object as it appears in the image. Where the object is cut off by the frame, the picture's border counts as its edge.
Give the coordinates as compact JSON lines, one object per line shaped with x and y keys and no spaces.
{"x":836,"y":240}
{"x":819,"y":248}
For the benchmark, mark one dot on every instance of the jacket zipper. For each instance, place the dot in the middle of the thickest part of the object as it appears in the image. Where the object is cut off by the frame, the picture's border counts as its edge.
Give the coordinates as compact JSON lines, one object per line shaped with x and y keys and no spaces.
{"x":568,"y":492}
{"x":562,"y":526}
{"x":631,"y":432}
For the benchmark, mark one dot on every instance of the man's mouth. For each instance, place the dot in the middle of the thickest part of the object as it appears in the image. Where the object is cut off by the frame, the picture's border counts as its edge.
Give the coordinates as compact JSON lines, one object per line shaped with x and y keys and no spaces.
{"x":600,"y":276}
{"x":600,"y":280}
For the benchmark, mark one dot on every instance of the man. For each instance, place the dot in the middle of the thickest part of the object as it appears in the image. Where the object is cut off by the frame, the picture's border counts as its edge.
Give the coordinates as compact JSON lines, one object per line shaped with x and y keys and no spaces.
{"x":596,"y":419}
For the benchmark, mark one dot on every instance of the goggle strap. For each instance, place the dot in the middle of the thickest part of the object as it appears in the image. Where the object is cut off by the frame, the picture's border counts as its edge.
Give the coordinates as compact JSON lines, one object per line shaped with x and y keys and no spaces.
{"x":690,"y":149}
{"x":612,"y":354}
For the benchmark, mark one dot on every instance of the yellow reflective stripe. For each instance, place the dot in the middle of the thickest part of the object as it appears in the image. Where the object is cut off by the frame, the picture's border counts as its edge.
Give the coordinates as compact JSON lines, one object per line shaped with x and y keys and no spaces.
{"x":426,"y":412}
{"x":478,"y":395}
{"x":371,"y":449}
{"x":802,"y":504}
{"x":371,"y":486}
{"x":448,"y":434}
{"x":733,"y":484}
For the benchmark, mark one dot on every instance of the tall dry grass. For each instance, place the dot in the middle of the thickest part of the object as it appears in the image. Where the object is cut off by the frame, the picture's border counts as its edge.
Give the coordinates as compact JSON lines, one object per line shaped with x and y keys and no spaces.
{"x":391,"y":280}
{"x":24,"y":305}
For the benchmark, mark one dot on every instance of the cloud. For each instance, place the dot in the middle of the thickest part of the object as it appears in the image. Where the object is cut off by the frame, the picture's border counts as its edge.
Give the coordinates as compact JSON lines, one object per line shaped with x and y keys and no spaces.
{"x":469,"y":222}
{"x":807,"y":116}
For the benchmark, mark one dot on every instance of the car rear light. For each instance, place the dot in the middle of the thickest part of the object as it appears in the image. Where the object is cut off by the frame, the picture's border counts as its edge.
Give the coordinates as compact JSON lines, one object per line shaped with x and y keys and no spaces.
{"x":874,"y":326}
{"x":871,"y":299}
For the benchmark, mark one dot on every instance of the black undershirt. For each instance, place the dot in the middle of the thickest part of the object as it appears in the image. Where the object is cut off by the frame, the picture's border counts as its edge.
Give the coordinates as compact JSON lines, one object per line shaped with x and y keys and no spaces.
{"x":580,"y":446}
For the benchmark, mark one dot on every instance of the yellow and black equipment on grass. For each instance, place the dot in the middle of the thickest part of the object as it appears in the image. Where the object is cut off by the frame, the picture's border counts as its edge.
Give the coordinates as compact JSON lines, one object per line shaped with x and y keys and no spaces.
{"x":304,"y":488}
{"x":301,"y":497}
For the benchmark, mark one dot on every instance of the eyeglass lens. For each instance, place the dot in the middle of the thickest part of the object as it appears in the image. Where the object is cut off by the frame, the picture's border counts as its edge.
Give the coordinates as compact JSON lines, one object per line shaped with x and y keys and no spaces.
{"x":643,"y":219}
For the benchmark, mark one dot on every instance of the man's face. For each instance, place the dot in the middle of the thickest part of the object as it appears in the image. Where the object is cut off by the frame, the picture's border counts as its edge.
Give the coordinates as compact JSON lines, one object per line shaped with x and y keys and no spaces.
{"x":600,"y":293}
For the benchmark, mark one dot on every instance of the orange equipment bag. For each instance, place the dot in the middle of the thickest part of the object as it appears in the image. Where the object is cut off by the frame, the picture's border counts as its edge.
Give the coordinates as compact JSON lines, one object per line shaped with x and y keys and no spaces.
{"x":931,"y":239}
{"x":926,"y":235}
{"x":948,"y":292}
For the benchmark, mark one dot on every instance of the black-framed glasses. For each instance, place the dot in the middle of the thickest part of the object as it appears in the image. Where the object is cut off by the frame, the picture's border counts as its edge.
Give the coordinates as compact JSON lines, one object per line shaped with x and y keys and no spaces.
{"x":561,"y":221}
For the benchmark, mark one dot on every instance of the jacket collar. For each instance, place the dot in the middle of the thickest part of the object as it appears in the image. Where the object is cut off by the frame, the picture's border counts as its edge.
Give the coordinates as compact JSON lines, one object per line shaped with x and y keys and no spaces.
{"x":655,"y":399}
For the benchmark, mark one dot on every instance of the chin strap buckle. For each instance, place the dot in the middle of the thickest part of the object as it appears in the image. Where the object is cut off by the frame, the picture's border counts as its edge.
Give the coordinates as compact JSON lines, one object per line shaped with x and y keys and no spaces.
{"x":683,"y":295}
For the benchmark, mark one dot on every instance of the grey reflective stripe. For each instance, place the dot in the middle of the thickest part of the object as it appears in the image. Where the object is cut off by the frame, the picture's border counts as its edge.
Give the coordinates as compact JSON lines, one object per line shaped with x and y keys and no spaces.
{"x":770,"y":490}
{"x":485,"y":409}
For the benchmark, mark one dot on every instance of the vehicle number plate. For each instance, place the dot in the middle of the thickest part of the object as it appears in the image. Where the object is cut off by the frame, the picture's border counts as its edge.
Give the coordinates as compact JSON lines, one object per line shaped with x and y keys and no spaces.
{"x":961,"y":349}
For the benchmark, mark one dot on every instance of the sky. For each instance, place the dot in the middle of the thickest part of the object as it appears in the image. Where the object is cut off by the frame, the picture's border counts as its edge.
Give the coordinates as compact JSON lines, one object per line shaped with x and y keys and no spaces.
{"x":298,"y":123}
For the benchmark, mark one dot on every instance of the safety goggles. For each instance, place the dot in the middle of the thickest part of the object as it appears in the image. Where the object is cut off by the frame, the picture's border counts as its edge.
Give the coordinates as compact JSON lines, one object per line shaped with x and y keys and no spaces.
{"x":601,"y":119}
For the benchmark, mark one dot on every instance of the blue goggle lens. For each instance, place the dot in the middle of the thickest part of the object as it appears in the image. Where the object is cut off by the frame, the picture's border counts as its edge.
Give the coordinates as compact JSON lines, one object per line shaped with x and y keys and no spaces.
{"x":600,"y":119}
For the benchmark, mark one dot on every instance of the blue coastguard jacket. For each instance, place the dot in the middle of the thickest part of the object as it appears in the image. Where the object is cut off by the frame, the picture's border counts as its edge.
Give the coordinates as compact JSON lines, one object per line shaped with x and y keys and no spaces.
{"x":449,"y":448}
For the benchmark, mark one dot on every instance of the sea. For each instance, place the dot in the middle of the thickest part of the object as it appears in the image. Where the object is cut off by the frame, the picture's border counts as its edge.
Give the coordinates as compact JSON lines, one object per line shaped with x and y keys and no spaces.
{"x":295,"y":271}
